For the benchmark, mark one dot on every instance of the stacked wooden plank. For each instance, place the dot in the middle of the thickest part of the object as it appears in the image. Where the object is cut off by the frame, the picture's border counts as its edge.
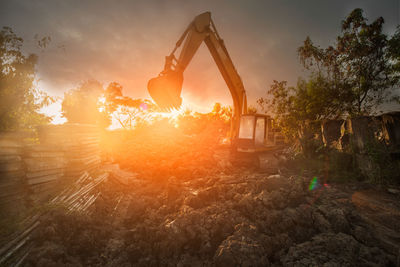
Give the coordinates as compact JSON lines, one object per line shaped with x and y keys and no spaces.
{"x":44,"y":167}
{"x":11,"y":173}
{"x":80,"y":143}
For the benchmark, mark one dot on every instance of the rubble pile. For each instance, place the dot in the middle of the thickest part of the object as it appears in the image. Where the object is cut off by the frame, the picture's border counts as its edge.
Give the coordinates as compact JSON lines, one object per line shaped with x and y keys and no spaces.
{"x":183,"y":207}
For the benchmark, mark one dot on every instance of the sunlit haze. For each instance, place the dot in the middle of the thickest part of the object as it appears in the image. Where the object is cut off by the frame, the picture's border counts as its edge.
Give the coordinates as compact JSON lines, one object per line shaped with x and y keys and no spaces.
{"x":126,"y":41}
{"x":199,"y":133}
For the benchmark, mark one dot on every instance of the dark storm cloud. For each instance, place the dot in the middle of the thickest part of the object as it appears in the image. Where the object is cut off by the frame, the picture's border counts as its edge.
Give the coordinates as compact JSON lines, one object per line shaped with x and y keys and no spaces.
{"x":126,"y":41}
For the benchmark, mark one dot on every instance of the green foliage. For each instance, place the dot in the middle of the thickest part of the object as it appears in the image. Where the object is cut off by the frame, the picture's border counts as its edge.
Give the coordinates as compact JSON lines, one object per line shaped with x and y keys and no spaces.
{"x":90,"y":103}
{"x":20,"y":101}
{"x":329,"y":166}
{"x":135,"y":113}
{"x":81,"y":105}
{"x":350,"y":78}
{"x":222,"y":113}
{"x":394,"y":54}
{"x":251,"y":110}
{"x":194,"y":123}
{"x":309,"y":101}
{"x":383,"y":169}
{"x":356,"y":68}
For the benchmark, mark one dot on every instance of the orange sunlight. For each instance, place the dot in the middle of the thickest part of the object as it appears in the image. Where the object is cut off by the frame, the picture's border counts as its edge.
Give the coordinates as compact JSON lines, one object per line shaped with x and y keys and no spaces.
{"x":54,"y":111}
{"x":129,"y":117}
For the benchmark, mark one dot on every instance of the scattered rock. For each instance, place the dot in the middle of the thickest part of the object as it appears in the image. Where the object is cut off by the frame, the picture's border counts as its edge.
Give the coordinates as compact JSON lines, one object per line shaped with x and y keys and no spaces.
{"x":393,"y":191}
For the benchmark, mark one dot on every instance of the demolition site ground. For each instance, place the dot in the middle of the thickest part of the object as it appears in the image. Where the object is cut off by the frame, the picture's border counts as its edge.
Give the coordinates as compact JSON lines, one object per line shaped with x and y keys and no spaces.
{"x":179,"y":201}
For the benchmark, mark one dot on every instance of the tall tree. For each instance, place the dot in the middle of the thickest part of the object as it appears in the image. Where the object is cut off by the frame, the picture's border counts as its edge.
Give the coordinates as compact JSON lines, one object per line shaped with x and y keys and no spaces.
{"x":309,"y":100}
{"x":90,"y":103}
{"x":352,"y":77}
{"x":394,"y":55}
{"x":20,"y":100}
{"x":356,"y":67}
{"x":85,"y":104}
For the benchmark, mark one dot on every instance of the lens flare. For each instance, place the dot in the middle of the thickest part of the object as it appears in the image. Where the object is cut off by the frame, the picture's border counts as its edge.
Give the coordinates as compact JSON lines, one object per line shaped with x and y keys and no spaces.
{"x":143,"y":106}
{"x":314,"y":184}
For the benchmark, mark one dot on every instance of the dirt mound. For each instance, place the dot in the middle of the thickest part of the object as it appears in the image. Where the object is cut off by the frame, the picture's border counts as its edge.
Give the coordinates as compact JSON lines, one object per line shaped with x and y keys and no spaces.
{"x":161,"y":151}
{"x":193,"y":210}
{"x":244,"y":219}
{"x":335,"y":250}
{"x":72,"y":239}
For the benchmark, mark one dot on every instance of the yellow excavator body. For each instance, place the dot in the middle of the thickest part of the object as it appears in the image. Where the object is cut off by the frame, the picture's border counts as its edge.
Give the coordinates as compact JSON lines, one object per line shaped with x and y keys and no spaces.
{"x":250,"y":133}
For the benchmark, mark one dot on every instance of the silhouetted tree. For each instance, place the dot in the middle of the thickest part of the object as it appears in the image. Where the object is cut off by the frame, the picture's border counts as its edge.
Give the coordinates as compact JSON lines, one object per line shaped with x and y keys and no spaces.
{"x":356,"y":69}
{"x":352,"y":77}
{"x":83,"y":104}
{"x":20,"y":100}
{"x":90,"y":103}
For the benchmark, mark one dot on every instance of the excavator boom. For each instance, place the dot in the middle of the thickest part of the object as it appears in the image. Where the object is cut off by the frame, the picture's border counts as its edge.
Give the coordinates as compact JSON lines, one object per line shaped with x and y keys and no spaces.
{"x":250,"y":133}
{"x":166,"y":88}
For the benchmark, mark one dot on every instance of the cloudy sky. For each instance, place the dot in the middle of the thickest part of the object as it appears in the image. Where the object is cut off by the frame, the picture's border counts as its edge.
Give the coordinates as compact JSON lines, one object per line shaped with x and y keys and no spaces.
{"x":126,"y":41}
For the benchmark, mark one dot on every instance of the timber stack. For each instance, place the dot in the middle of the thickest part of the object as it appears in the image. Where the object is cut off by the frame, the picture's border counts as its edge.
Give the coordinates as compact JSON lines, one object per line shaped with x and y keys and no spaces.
{"x":44,"y":167}
{"x":11,"y":173}
{"x":33,"y":173}
{"x":79,"y":142}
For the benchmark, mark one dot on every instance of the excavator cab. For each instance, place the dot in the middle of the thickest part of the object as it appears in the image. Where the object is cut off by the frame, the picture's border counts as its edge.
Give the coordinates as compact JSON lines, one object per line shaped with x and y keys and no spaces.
{"x":256,"y":133}
{"x":257,"y":142}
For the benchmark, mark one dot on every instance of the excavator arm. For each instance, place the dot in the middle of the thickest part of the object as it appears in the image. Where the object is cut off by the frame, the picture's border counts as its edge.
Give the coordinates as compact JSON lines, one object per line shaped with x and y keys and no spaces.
{"x":166,"y":88}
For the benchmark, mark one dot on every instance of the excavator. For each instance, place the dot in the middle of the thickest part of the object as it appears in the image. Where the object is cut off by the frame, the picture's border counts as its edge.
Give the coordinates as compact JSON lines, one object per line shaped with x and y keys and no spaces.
{"x":249,"y":133}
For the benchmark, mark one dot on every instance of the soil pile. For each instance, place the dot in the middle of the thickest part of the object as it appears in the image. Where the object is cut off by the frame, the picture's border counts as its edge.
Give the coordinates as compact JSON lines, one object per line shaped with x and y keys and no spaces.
{"x":195,"y":209}
{"x":239,"y":219}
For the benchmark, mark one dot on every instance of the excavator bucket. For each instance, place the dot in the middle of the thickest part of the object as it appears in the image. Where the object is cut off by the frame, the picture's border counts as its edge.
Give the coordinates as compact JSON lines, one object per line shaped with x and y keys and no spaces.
{"x":166,"y":90}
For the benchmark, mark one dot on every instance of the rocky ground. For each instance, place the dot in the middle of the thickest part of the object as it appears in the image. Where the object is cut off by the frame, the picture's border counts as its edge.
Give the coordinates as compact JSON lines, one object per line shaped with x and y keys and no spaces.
{"x":216,"y":214}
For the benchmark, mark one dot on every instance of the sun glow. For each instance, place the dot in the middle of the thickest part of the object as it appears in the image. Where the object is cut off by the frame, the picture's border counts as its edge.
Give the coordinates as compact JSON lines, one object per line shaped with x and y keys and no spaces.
{"x":173,"y":114}
{"x":102,"y":100}
{"x":54,"y":111}
{"x":131,"y":117}
{"x":125,"y":117}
